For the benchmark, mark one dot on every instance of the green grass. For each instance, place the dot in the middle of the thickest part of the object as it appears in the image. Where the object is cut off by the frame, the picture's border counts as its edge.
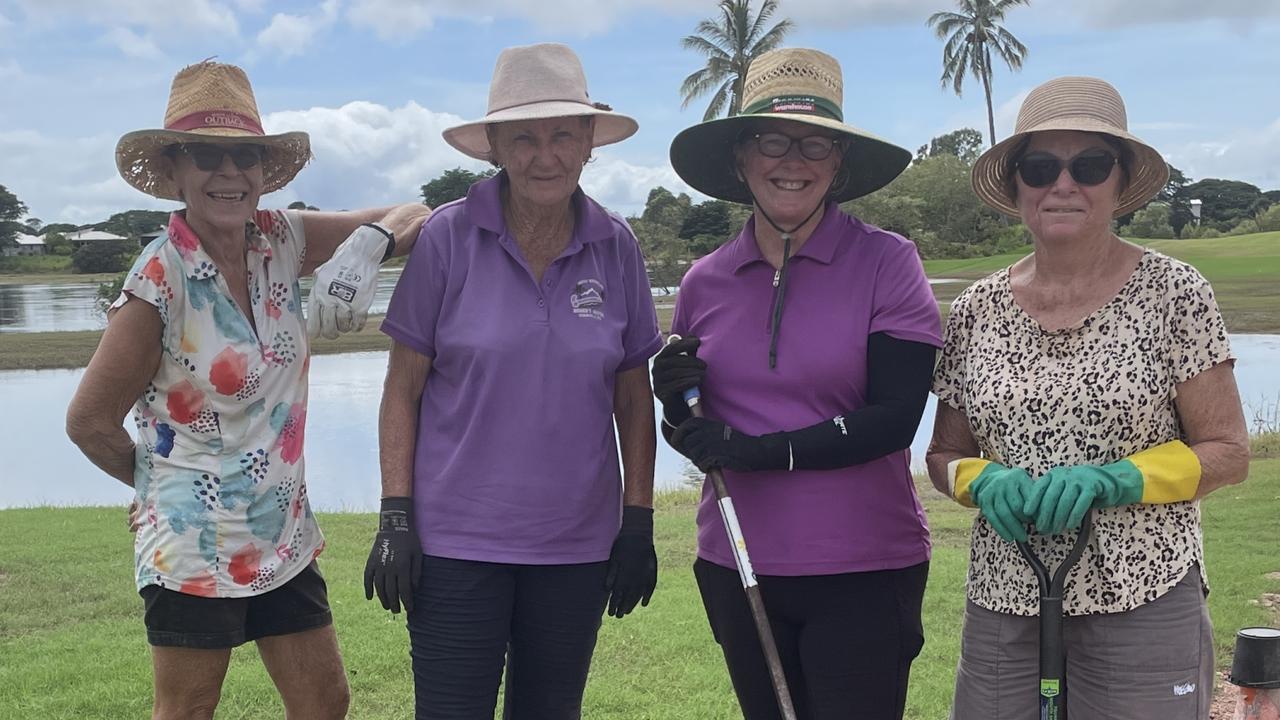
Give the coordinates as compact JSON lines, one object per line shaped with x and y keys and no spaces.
{"x":72,"y":643}
{"x":35,"y":264}
{"x":1244,"y":271}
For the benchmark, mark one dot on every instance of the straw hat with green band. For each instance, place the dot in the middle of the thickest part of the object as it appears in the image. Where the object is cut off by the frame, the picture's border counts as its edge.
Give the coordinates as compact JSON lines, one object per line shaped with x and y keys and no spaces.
{"x":1084,"y":104}
{"x":788,"y":84}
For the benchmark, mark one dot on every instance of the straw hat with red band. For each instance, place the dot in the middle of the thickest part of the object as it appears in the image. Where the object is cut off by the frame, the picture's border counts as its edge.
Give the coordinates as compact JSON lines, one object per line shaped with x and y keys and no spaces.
{"x":1083,"y":104}
{"x":789,"y":84}
{"x":209,"y":103}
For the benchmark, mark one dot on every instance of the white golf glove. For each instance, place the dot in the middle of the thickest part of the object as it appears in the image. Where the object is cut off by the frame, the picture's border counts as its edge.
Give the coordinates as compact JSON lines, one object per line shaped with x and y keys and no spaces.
{"x":344,"y":286}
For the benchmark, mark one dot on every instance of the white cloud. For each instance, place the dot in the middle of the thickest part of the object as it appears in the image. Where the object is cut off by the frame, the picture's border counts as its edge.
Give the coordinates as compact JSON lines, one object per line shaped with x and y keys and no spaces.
{"x":133,"y":44}
{"x":165,"y":17}
{"x":368,"y":154}
{"x":623,"y":187}
{"x":69,"y":179}
{"x":1248,"y":154}
{"x":392,"y":20}
{"x":289,"y":35}
{"x":1109,"y":13}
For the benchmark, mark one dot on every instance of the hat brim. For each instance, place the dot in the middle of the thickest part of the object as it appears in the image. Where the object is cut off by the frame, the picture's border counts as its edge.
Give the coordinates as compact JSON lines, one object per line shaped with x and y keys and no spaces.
{"x":702,"y":156}
{"x":139,"y":156}
{"x":472,"y":139}
{"x":1147,"y":177}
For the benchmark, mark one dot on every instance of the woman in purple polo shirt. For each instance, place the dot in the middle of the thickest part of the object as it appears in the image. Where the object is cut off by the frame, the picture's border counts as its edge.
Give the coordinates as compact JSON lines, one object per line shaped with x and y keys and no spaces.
{"x":522,"y":327}
{"x":812,"y":336}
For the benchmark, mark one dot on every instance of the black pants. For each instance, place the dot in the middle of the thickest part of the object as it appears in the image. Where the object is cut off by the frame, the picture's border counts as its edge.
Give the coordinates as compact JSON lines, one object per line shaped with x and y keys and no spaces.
{"x":846,"y":641}
{"x":468,"y":615}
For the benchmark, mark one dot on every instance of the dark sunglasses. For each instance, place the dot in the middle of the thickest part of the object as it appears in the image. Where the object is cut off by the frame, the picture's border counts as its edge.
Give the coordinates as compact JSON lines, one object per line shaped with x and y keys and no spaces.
{"x":1091,"y":167}
{"x":208,"y":158}
{"x":776,"y":145}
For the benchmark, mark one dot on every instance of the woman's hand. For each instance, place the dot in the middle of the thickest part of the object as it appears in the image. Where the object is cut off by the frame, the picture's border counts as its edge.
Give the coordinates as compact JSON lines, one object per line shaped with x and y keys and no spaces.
{"x":1000,"y":493}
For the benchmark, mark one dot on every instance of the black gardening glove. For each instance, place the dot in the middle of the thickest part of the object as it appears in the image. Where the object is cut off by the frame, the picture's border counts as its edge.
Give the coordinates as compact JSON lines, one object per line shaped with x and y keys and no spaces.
{"x":396,"y":559}
{"x":677,"y":368}
{"x":712,"y":444}
{"x":633,"y":564}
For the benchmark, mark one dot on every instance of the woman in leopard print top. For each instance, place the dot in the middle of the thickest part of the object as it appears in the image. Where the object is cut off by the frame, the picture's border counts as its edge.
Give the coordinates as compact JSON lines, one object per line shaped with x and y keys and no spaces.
{"x":1091,"y":374}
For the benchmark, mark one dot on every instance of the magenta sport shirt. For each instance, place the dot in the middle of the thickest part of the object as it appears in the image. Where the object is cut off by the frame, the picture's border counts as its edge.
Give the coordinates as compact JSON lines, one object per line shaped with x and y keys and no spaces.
{"x":847,"y":281}
{"x":516,"y":460}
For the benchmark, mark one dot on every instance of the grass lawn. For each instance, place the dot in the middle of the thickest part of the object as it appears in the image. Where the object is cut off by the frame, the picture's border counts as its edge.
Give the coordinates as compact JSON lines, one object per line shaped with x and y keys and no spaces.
{"x":1244,"y":271}
{"x":72,"y":642}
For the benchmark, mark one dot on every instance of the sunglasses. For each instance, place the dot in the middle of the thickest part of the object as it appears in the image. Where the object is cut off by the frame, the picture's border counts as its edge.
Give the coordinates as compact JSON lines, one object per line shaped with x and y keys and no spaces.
{"x":1091,"y":167}
{"x":776,"y":145}
{"x":208,"y":158}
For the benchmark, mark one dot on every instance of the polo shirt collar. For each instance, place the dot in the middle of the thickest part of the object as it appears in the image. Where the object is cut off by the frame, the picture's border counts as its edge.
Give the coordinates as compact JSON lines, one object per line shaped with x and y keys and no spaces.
{"x":484,"y":210}
{"x":196,"y":263}
{"x":820,"y":246}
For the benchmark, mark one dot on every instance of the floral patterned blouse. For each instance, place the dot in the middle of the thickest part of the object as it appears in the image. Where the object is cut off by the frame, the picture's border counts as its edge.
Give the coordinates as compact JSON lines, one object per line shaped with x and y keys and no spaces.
{"x":218,"y":468}
{"x":1089,"y":394}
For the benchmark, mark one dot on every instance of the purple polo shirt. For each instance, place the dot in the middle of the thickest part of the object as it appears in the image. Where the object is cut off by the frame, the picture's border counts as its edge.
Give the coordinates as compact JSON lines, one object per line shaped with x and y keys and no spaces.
{"x":516,"y":460}
{"x":849,"y":280}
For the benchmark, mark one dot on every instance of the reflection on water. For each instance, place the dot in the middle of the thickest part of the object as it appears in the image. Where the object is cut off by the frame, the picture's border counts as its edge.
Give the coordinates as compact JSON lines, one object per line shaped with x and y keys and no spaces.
{"x":42,"y":467}
{"x":47,"y":308}
{"x":41,"y":308}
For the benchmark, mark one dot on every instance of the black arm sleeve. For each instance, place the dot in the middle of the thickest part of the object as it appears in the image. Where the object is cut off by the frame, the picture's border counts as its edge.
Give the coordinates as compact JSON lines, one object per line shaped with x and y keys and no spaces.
{"x":899,"y":373}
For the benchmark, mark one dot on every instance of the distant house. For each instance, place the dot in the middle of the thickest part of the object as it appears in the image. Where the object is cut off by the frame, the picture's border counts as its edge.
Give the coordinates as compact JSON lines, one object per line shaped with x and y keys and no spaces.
{"x":145,"y":238}
{"x":88,"y":235}
{"x":26,"y":245}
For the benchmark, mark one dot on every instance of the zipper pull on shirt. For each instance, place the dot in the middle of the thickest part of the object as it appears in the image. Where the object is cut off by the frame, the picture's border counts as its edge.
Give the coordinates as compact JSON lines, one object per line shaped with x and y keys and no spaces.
{"x":777,"y":273}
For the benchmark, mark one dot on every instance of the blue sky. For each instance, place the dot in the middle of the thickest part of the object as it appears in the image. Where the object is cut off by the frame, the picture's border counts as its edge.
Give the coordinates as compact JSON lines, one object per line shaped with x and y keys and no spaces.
{"x":375,"y":81}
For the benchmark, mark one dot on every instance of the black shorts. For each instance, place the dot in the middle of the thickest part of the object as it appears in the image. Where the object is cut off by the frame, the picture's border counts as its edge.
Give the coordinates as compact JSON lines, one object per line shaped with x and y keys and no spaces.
{"x":176,"y":619}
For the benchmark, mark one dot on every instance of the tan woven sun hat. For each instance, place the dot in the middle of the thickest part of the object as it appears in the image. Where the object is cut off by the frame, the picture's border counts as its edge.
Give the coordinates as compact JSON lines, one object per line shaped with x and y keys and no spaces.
{"x":209,"y":103}
{"x":1071,"y":103}
{"x":536,"y":82}
{"x":788,"y":84}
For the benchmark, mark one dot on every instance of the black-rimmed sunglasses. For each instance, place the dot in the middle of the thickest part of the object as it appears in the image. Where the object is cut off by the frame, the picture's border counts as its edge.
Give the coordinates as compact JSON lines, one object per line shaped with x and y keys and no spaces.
{"x":776,"y":145}
{"x":208,"y":158}
{"x":1091,"y":167}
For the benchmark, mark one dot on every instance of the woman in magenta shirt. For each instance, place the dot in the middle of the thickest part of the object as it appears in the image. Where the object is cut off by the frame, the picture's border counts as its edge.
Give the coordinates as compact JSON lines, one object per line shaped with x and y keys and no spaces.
{"x":812,"y":336}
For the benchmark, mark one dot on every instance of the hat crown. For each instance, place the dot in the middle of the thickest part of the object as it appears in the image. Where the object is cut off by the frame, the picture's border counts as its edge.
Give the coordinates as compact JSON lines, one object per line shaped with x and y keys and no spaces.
{"x":1082,"y":98}
{"x":211,"y":95}
{"x":527,"y":74}
{"x":779,"y":77}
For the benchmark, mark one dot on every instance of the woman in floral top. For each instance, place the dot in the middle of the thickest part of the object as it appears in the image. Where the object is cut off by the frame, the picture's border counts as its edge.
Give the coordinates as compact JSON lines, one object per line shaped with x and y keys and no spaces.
{"x":208,"y":345}
{"x":1096,"y":375}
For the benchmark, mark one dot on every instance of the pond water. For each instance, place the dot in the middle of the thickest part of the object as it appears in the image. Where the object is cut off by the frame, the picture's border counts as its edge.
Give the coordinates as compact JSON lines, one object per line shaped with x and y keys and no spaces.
{"x":42,"y":467}
{"x":73,"y":306}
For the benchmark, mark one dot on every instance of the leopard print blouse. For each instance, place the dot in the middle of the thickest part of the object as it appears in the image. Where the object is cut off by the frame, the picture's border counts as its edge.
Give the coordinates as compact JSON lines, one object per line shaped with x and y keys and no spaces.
{"x":1091,"y":394}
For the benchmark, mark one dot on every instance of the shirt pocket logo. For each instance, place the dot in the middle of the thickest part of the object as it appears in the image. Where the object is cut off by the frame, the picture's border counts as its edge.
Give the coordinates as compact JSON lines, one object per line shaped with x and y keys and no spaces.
{"x":587,"y":299}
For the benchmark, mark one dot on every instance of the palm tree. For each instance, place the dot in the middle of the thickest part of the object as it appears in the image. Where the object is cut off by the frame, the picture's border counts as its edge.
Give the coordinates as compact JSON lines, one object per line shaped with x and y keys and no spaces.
{"x":972,"y":35}
{"x":730,"y":43}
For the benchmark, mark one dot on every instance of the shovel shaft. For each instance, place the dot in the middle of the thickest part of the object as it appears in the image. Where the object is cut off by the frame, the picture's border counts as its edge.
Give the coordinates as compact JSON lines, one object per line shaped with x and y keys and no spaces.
{"x":748,"y":576}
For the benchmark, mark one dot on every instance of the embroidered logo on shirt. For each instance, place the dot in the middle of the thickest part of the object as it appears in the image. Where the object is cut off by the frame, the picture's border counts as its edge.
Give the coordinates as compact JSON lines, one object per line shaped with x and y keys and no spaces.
{"x":1185,"y":689}
{"x":588,"y":299}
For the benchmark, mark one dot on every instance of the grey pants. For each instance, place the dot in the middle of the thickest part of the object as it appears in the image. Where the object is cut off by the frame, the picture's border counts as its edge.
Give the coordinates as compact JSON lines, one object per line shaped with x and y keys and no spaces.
{"x":1154,"y":662}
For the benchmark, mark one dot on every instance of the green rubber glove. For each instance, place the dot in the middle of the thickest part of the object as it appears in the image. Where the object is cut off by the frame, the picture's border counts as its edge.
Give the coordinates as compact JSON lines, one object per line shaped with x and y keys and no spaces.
{"x":1165,"y":473}
{"x":1000,"y":492}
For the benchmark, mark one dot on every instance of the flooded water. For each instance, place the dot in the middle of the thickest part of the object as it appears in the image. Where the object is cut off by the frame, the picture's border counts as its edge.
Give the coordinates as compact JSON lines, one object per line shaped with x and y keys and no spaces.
{"x":42,"y":467}
{"x":73,"y":306}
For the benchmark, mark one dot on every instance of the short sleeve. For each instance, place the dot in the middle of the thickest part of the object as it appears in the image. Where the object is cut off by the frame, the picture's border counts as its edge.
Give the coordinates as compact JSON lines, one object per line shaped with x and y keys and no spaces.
{"x":1197,"y":333}
{"x":157,"y":279}
{"x":949,"y":376}
{"x":414,"y":310}
{"x":640,"y":338}
{"x":904,"y":306}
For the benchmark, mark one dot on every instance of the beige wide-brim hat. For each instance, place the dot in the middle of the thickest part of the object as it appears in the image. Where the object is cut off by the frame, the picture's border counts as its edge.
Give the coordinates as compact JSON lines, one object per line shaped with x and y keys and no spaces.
{"x":208,"y":103}
{"x":796,"y":84}
{"x":536,"y":82}
{"x":1071,"y":103}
